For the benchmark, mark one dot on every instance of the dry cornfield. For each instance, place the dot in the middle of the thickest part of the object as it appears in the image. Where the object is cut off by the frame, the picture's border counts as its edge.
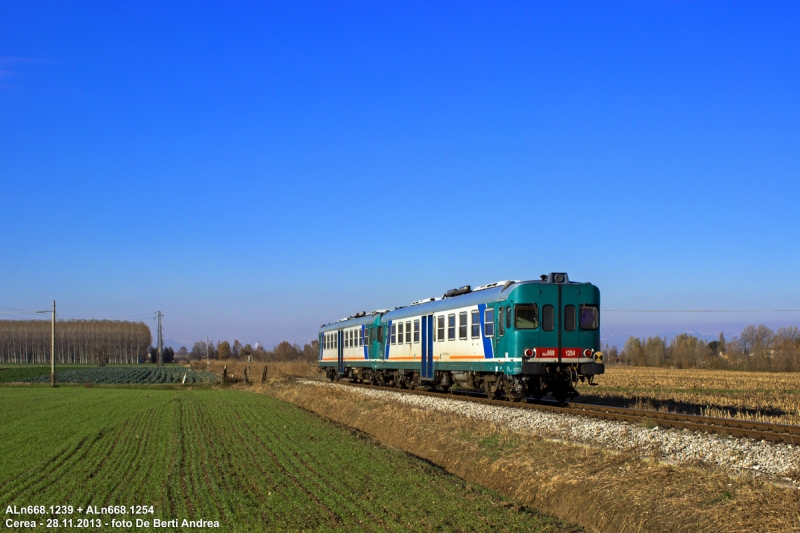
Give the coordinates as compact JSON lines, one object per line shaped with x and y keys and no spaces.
{"x":275,"y":370}
{"x":764,"y":396}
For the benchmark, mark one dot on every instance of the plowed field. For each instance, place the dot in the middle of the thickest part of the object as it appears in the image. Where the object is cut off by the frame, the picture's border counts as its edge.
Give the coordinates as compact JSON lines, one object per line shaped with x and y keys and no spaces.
{"x":248,"y":461}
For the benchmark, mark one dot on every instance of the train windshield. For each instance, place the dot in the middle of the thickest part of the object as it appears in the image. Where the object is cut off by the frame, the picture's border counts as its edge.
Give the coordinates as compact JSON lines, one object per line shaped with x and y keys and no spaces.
{"x":590,"y":317}
{"x":526,"y":316}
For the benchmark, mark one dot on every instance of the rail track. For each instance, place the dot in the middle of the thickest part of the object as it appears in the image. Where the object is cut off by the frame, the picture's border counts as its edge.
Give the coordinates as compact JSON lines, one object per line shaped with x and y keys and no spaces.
{"x":724,"y":426}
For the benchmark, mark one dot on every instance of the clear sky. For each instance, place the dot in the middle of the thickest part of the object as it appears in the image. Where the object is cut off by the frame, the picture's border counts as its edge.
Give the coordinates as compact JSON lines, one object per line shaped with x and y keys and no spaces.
{"x":254,"y":170}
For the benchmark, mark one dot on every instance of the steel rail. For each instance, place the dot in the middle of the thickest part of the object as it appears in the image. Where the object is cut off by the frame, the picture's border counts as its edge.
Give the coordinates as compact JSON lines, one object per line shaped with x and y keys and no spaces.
{"x":725,"y":426}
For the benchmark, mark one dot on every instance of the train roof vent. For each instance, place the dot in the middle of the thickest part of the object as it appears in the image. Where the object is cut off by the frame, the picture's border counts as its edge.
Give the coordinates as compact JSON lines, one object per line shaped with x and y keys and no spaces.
{"x":504,"y":283}
{"x":379,"y":311}
{"x":423,"y":301}
{"x":558,"y":277}
{"x":457,"y":292}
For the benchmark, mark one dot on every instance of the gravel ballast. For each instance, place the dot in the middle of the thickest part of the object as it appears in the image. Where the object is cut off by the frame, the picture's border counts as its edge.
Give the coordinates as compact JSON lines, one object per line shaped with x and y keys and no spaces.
{"x":738,"y":455}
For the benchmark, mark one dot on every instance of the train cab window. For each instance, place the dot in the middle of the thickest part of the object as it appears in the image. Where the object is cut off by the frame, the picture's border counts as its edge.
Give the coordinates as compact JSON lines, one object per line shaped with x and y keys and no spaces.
{"x":451,"y":327}
{"x":440,"y":328}
{"x":488,"y":322}
{"x":508,"y":316}
{"x":548,"y":318}
{"x":399,"y":333}
{"x":462,"y":325}
{"x":408,"y":332}
{"x":526,"y":316}
{"x":380,"y":333}
{"x":501,"y":330}
{"x":590,"y":317}
{"x":394,"y":334}
{"x":416,"y":331}
{"x":476,"y":324}
{"x":569,"y":318}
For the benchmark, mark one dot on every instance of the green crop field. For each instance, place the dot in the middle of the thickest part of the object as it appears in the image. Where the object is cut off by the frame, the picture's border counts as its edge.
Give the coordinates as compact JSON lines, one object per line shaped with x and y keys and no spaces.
{"x":130,"y":375}
{"x":248,"y":461}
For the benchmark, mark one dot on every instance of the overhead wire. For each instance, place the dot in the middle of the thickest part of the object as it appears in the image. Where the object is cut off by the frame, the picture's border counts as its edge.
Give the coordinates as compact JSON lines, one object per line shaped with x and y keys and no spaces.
{"x":701,"y":310}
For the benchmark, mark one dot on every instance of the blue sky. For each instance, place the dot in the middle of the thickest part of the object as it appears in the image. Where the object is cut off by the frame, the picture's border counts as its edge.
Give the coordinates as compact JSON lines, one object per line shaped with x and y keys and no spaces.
{"x":256,"y":170}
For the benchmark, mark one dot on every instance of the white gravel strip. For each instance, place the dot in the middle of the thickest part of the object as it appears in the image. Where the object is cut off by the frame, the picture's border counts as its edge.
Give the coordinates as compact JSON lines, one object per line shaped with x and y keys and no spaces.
{"x":736,"y":454}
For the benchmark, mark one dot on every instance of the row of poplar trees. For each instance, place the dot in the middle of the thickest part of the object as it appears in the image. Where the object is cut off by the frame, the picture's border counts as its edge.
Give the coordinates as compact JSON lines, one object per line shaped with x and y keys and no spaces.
{"x":77,"y":341}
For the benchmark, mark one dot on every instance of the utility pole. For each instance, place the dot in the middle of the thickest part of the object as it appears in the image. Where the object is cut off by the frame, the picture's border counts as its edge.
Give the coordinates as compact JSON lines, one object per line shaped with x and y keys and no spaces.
{"x":208,"y":362}
{"x":160,"y":342}
{"x":53,"y":347}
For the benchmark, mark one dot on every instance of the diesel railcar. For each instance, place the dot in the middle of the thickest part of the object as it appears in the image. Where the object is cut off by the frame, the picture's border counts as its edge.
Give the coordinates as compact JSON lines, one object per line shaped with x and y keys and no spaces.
{"x":510,"y":339}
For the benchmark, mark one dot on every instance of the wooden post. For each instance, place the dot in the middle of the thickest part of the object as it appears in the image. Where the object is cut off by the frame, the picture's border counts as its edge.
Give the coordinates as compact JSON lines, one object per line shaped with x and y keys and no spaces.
{"x":264,"y":375}
{"x":225,"y":374}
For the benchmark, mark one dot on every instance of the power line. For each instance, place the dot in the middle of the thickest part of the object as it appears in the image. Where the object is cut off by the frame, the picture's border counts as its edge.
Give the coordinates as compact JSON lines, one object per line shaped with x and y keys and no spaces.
{"x":701,"y":310}
{"x":107,"y":317}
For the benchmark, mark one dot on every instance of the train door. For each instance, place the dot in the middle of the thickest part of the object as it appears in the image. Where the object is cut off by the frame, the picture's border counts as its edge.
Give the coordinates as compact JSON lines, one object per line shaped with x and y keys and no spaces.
{"x":340,"y":352}
{"x":426,"y":372}
{"x":571,"y":346}
{"x":550,"y":333}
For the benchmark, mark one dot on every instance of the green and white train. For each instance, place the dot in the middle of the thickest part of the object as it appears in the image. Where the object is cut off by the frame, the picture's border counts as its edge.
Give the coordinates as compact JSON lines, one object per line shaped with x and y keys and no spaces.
{"x":511,"y":339}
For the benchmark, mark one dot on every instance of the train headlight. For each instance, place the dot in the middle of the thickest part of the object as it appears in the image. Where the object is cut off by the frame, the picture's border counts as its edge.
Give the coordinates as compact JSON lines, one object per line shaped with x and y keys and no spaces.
{"x":598,"y":357}
{"x":587,"y":352}
{"x":530,"y":352}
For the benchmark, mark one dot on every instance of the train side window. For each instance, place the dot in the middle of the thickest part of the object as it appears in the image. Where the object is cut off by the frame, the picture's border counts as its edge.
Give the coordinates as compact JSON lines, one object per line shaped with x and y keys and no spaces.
{"x":508,"y":316}
{"x":416,"y":331}
{"x":476,"y":324}
{"x":451,"y":327}
{"x":408,"y":332}
{"x":336,"y":340}
{"x":394,"y":334}
{"x":501,"y":330}
{"x":590,"y":317}
{"x":440,"y":328}
{"x":462,"y":325}
{"x":350,"y":339}
{"x":548,"y":318}
{"x":360,"y":333}
{"x":569,"y":318}
{"x":399,"y":333}
{"x":488,"y":322}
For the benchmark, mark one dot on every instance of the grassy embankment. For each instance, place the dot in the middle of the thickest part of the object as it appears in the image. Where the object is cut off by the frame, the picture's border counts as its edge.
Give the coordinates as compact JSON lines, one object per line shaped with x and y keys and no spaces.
{"x":249,"y":461}
{"x":601,"y":490}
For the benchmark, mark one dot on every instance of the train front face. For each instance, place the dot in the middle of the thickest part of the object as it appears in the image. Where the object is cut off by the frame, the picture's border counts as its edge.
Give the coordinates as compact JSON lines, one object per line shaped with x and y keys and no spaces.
{"x":555,"y":328}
